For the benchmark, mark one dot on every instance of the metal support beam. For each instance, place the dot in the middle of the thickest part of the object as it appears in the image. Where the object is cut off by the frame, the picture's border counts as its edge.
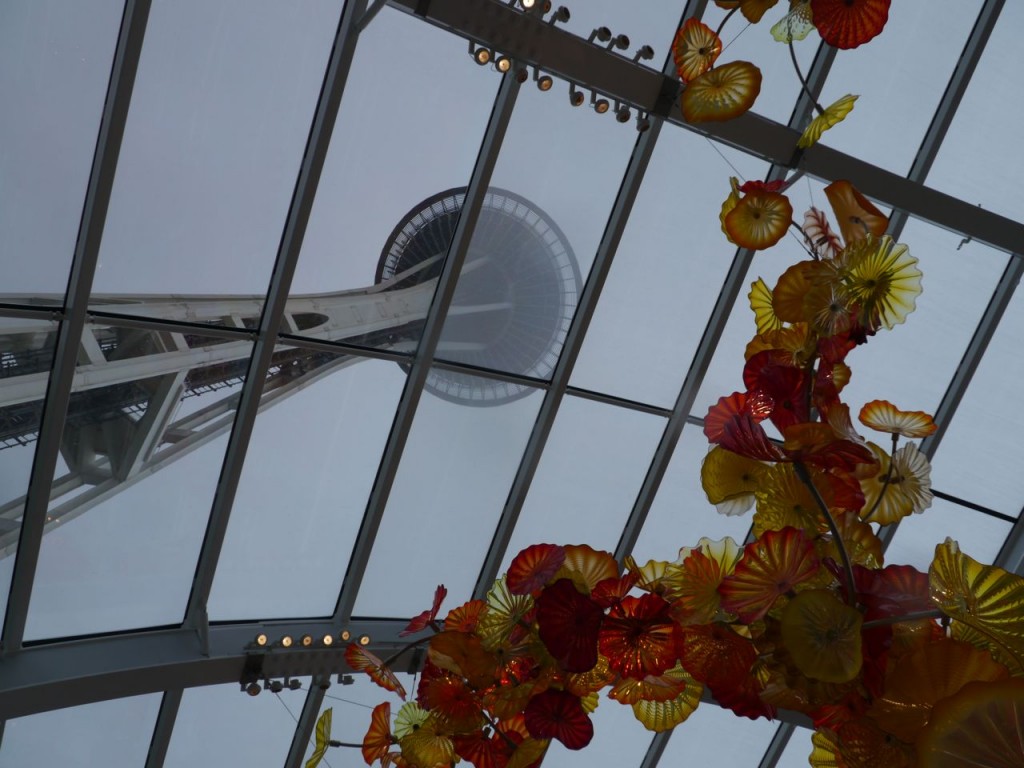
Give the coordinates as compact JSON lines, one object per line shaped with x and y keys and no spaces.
{"x":432,"y":327}
{"x":734,"y":282}
{"x":271,"y":320}
{"x":656,"y":749}
{"x":529,"y":40}
{"x":777,"y":746}
{"x":83,"y":267}
{"x":307,"y":722}
{"x":163,"y":728}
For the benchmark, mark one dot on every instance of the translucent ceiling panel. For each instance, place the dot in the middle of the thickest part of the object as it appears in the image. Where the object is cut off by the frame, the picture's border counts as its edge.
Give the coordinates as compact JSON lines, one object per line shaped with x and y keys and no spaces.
{"x":411,"y":122}
{"x":681,"y":513}
{"x":125,"y":527}
{"x":55,"y":60}
{"x":223,"y":101}
{"x":715,"y":736}
{"x":980,"y":160}
{"x":980,"y":457}
{"x":897,"y":89}
{"x":619,"y":740}
{"x":350,"y":707}
{"x":589,"y":475}
{"x":798,"y":750}
{"x":978,"y":534}
{"x":448,"y":495}
{"x":561,"y":168}
{"x":780,"y":86}
{"x":114,"y":734}
{"x":308,"y":471}
{"x":220,"y":724}
{"x":667,"y":273}
{"x":651,"y":23}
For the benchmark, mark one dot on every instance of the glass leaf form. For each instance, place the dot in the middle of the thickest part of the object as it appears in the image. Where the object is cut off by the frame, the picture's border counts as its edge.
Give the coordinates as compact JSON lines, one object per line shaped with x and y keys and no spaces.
{"x":980,"y":726}
{"x":378,"y":739}
{"x":833,"y":115}
{"x":987,"y":598}
{"x":423,"y":620}
{"x":856,"y":216}
{"x":323,"y":738}
{"x":695,"y":49}
{"x":568,"y":624}
{"x":361,"y":660}
{"x":849,"y":23}
{"x":823,"y":637}
{"x":532,"y":568}
{"x":883,"y":416}
{"x":722,"y":93}
{"x":795,"y":25}
{"x":559,"y":715}
{"x":771,"y":566}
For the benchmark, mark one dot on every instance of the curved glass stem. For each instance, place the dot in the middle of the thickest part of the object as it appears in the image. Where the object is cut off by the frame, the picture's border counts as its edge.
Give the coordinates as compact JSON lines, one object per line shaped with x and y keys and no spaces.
{"x":914,"y":616}
{"x":721,"y":26}
{"x":885,"y":480}
{"x":803,"y":80}
{"x":805,"y":478}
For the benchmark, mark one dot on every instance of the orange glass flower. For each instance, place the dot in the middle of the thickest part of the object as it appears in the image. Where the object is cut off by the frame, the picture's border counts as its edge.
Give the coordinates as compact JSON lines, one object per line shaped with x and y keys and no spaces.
{"x":722,"y":93}
{"x":759,"y":220}
{"x":857,"y":217}
{"x":532,"y":568}
{"x":772,"y":565}
{"x":883,"y":416}
{"x":833,"y":115}
{"x":587,"y":566}
{"x":378,"y":738}
{"x":559,"y":715}
{"x":465,"y":617}
{"x":639,"y":638}
{"x":849,"y":23}
{"x":980,"y":726}
{"x":695,"y":49}
{"x":752,"y":10}
{"x":908,"y":490}
{"x":822,"y":635}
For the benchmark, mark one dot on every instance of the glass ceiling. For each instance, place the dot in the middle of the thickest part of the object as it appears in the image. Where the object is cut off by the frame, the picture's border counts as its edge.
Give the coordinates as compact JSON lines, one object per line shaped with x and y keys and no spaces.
{"x":237,"y":397}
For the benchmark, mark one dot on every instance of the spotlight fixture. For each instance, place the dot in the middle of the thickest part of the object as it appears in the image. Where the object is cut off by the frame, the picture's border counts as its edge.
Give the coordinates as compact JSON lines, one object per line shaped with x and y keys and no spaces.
{"x":522,"y":75}
{"x":644,"y":52}
{"x":600,"y":105}
{"x":603,"y":34}
{"x":643,"y":122}
{"x":364,"y":640}
{"x":544,"y":82}
{"x":561,"y":15}
{"x":503,"y":64}
{"x":286,"y":641}
{"x":345,"y":635}
{"x":576,"y":97}
{"x":620,"y":41}
{"x":622,"y":113}
{"x":307,"y":640}
{"x":527,"y":4}
{"x":481,"y":56}
{"x":261,"y":639}
{"x":328,"y":639}
{"x":276,"y":686}
{"x":253,"y":689}
{"x":293,"y":685}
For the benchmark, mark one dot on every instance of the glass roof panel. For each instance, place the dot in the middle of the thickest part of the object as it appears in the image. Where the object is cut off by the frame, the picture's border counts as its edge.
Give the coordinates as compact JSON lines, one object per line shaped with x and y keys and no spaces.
{"x":451,"y":486}
{"x":220,"y":113}
{"x":220,"y":721}
{"x":980,"y":160}
{"x":983,"y":439}
{"x":896,"y":88}
{"x":409,"y":128}
{"x":46,"y":144}
{"x":308,"y":472}
{"x":681,"y":514}
{"x":780,"y":86}
{"x":114,"y":733}
{"x":798,"y":750}
{"x":715,"y":736}
{"x":651,"y":23}
{"x":566,"y":165}
{"x":619,"y":740}
{"x":666,"y":275}
{"x":979,"y":535}
{"x":148,"y":474}
{"x":592,"y":467}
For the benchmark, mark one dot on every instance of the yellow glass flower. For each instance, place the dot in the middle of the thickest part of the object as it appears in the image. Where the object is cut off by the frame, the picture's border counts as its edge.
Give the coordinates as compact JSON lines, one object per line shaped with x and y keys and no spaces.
{"x":695,"y":49}
{"x":822,"y":635}
{"x":795,"y":25}
{"x":760,"y":297}
{"x":792,"y":339}
{"x":502,"y":616}
{"x":883,"y":416}
{"x":728,"y":204}
{"x":884,"y":280}
{"x":759,"y":220}
{"x":909,"y":490}
{"x":587,"y":566}
{"x":834,"y":114}
{"x":783,"y":501}
{"x":427,"y":747}
{"x":722,"y":93}
{"x":730,"y":478}
{"x":661,"y":716}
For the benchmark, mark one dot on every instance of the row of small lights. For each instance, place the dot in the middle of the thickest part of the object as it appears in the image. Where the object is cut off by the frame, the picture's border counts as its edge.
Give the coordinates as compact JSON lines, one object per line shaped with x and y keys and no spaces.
{"x":308,"y":641}
{"x":484,"y":56}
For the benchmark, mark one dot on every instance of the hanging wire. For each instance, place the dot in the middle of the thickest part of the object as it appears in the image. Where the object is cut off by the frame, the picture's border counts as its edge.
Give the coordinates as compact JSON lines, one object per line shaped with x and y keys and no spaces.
{"x":288,"y":710}
{"x":735,"y":170}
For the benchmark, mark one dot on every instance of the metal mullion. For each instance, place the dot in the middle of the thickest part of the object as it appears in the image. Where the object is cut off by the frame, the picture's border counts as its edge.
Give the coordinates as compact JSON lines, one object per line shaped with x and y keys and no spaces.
{"x":616,"y":224}
{"x":69,"y":334}
{"x":306,"y":722}
{"x":163,"y":728}
{"x":656,"y":749}
{"x":950,"y":101}
{"x":273,"y":311}
{"x":479,"y":181}
{"x":720,"y":314}
{"x":777,"y":746}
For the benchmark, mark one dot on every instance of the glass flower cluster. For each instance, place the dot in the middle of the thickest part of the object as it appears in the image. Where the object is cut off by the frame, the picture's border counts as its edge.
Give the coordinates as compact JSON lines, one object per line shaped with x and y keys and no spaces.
{"x":895,"y":667}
